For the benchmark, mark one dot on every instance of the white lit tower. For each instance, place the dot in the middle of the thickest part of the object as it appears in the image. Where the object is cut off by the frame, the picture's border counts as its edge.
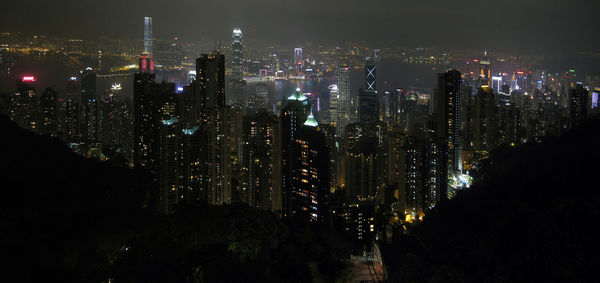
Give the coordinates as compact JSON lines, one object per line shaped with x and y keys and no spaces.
{"x":236,"y":54}
{"x":298,"y":58}
{"x":343,"y":103}
{"x":237,"y":78}
{"x":148,"y":35}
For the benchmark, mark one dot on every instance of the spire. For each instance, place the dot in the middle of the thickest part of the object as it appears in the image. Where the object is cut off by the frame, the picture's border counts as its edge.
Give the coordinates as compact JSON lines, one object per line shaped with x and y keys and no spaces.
{"x":310,"y":120}
{"x":297,"y":95}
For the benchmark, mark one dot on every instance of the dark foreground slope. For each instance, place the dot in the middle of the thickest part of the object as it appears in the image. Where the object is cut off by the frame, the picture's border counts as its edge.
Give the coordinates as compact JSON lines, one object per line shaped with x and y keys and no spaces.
{"x":534,"y":217}
{"x":66,"y":218}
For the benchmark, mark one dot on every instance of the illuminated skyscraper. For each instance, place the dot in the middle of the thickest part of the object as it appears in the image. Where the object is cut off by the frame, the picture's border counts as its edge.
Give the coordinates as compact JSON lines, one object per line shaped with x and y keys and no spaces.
{"x":262,"y":161}
{"x":343,"y":115}
{"x":237,"y":55}
{"x":298,"y":58}
{"x":370,"y":73}
{"x":145,"y":120}
{"x":23,"y":104}
{"x":48,"y":107}
{"x":334,"y":97}
{"x":146,"y":65}
{"x":90,"y":106}
{"x":237,"y":83}
{"x":148,"y":35}
{"x":447,"y":108}
{"x":485,"y":72}
{"x":306,"y":170}
{"x":168,"y":159}
{"x":209,"y":94}
{"x":72,"y":111}
{"x":293,"y":115}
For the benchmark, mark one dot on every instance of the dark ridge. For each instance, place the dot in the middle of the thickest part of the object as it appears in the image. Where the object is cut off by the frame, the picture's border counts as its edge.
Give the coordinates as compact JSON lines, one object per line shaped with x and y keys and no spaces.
{"x":533,"y":217}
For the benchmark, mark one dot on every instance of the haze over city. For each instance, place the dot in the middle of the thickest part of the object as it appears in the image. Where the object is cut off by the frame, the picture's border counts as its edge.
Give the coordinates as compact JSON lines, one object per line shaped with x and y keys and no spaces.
{"x":300,"y":141}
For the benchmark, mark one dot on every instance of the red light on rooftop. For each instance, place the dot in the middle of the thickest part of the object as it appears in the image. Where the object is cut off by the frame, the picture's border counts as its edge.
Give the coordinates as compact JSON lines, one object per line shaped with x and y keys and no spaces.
{"x":28,"y":79}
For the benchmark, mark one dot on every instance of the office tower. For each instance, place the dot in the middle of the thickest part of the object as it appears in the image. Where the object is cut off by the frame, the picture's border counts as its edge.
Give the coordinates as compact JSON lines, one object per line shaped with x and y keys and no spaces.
{"x":72,"y":111}
{"x":370,"y":73}
{"x":485,"y":120}
{"x":90,"y":106}
{"x":343,"y":114}
{"x":148,"y":35}
{"x":237,"y":72}
{"x":578,"y":105}
{"x":209,"y":92}
{"x":485,"y":72}
{"x":334,"y":97}
{"x":24,"y":105}
{"x":367,"y":106}
{"x":298,"y":59}
{"x":261,"y":161}
{"x":293,"y":116}
{"x":306,"y":195}
{"x":48,"y":108}
{"x":237,"y":55}
{"x":146,"y":65}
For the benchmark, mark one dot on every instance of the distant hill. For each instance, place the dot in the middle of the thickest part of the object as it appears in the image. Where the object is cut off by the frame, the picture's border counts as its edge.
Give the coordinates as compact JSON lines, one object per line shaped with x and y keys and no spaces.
{"x":534,"y":217}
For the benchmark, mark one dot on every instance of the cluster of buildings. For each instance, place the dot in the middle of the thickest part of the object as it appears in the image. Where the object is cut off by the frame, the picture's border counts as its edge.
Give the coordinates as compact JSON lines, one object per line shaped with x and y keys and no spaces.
{"x":386,"y":149}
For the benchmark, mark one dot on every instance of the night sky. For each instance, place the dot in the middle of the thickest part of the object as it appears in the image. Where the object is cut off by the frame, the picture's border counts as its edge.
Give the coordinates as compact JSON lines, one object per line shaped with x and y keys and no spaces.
{"x":511,"y":25}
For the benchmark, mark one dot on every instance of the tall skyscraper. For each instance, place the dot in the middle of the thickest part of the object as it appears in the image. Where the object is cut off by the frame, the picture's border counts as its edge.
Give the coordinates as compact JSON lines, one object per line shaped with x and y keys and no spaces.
{"x":144,"y":122}
{"x":89,"y":102}
{"x":209,"y":94}
{"x":72,"y":111}
{"x":168,"y":159}
{"x":48,"y":108}
{"x":236,"y":80}
{"x":293,"y":115}
{"x":448,"y":111}
{"x":447,"y":126}
{"x":262,"y":161}
{"x":370,"y":73}
{"x":485,"y":132}
{"x":485,"y":72}
{"x":298,"y":59}
{"x":578,"y":105}
{"x":367,"y":106}
{"x":23,"y":104}
{"x":306,"y":187}
{"x":237,"y":55}
{"x":156,"y":136}
{"x":343,"y":115}
{"x":148,"y":35}
{"x":334,"y":97}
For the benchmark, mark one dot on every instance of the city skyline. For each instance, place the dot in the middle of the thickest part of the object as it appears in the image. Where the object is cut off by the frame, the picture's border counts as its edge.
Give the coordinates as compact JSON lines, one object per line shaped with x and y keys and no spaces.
{"x":159,"y":159}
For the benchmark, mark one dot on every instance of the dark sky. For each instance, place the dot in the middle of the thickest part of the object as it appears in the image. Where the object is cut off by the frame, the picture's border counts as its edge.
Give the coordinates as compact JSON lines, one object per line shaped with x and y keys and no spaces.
{"x":516,"y":25}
